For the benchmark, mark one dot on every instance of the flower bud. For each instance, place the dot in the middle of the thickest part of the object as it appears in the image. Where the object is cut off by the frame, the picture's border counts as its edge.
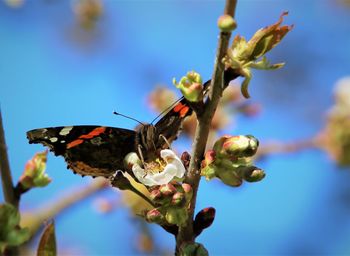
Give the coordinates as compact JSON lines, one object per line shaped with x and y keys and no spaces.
{"x":186,"y":158}
{"x":236,"y":146}
{"x":178,"y":199}
{"x":177,"y":216}
{"x":156,"y":195}
{"x":203,"y":220}
{"x":250,"y":173}
{"x":34,"y":174}
{"x":209,"y":158}
{"x":167,"y":189}
{"x":154,"y":216}
{"x":229,"y":177}
{"x":226,"y":23}
{"x":191,"y":86}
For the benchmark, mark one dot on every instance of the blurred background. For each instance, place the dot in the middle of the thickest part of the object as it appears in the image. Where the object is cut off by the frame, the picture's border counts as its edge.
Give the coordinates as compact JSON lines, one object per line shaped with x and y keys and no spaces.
{"x":74,"y":62}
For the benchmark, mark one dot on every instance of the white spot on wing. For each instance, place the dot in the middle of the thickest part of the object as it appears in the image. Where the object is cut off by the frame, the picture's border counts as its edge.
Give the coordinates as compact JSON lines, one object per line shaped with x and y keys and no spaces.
{"x":63,"y":141}
{"x":53,"y":139}
{"x":65,"y":130}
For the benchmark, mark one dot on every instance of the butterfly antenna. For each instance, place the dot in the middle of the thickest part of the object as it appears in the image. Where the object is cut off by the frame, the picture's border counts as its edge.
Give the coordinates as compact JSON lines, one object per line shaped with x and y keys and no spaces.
{"x":128,"y":117}
{"x":167,"y":109}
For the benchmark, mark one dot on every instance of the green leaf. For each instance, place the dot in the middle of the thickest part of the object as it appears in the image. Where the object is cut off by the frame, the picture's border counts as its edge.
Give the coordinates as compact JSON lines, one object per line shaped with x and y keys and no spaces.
{"x":47,"y":244}
{"x":247,"y":77}
{"x":10,"y":232}
{"x":264,"y":64}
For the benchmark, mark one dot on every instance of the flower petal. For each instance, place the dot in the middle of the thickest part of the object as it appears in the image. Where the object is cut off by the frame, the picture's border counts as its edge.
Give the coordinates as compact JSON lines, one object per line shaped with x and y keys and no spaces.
{"x":174,"y":168}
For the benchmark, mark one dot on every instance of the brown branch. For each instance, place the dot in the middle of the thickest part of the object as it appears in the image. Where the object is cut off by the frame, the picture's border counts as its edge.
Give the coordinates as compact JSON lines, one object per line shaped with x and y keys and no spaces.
{"x":277,"y":147}
{"x":6,"y":178}
{"x":204,"y":118}
{"x":33,"y":220}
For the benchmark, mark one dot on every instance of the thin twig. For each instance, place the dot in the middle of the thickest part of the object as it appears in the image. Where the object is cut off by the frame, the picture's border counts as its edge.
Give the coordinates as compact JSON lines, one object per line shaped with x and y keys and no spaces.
{"x":6,"y":178}
{"x":278,"y":147}
{"x":204,"y":118}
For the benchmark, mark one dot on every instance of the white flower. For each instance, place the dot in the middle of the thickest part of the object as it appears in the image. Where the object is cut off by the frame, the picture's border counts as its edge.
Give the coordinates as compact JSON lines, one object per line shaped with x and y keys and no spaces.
{"x":173,"y":168}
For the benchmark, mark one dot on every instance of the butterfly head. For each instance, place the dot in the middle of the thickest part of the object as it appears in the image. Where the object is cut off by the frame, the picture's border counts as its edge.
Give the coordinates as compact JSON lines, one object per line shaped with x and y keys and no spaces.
{"x":147,"y":136}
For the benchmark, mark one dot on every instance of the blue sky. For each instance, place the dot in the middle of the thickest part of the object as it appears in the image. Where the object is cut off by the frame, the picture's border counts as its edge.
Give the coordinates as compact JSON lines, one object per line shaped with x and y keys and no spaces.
{"x":52,"y":74}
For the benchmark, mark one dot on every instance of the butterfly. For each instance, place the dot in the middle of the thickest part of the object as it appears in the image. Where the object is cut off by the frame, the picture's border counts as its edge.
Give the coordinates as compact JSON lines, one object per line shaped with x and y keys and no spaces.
{"x":100,"y":150}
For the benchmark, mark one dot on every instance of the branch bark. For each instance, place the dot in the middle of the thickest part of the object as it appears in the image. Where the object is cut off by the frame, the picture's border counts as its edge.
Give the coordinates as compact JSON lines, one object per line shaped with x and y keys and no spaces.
{"x":185,"y":233}
{"x":6,"y":178}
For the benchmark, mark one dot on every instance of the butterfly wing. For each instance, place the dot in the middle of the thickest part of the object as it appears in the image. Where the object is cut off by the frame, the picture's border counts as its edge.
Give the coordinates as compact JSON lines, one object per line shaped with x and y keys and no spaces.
{"x":170,"y":124}
{"x":88,"y":150}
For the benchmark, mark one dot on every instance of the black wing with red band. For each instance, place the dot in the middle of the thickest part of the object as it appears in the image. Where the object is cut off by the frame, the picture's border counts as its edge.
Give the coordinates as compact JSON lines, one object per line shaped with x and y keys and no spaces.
{"x":99,"y":150}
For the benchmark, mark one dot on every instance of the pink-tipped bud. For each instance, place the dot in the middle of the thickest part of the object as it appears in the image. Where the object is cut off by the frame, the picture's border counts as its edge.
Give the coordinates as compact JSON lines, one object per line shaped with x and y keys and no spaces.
{"x":178,"y":199}
{"x":156,"y":195}
{"x":209,"y":158}
{"x":250,"y":173}
{"x":167,"y":189}
{"x":186,"y":187}
{"x":154,"y":216}
{"x":34,"y":174}
{"x":191,"y":86}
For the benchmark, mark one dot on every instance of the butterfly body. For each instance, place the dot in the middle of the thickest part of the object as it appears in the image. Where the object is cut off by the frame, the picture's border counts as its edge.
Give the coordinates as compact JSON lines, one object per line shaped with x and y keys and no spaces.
{"x":100,"y":150}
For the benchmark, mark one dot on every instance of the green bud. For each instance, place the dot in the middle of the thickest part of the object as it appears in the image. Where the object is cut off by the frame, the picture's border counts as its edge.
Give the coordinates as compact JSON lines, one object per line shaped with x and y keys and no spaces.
{"x":229,"y":177}
{"x":167,"y":189}
{"x":208,"y":172}
{"x":154,"y":216}
{"x":236,"y":146}
{"x":156,"y":195}
{"x":176,"y":216}
{"x":226,"y":23}
{"x":188,"y":191}
{"x":250,"y":173}
{"x":178,"y":199}
{"x":34,"y":174}
{"x":193,"y":249}
{"x":191,"y":86}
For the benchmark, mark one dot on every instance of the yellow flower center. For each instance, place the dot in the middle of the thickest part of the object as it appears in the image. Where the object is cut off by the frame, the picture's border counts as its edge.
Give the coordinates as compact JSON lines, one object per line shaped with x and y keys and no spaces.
{"x":156,"y":166}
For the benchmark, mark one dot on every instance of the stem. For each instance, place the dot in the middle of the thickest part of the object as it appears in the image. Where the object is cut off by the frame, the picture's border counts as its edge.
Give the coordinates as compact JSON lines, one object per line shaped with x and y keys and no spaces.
{"x":6,"y":178}
{"x":204,"y":118}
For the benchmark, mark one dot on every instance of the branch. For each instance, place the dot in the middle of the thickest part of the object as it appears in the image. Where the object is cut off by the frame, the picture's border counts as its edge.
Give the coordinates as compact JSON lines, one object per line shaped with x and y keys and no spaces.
{"x":6,"y":178}
{"x":35,"y":219}
{"x":278,"y":147}
{"x":204,"y":118}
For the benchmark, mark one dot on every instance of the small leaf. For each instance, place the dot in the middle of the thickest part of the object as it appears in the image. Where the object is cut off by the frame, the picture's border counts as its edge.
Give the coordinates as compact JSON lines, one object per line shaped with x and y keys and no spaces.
{"x":10,"y":232}
{"x":47,"y":244}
